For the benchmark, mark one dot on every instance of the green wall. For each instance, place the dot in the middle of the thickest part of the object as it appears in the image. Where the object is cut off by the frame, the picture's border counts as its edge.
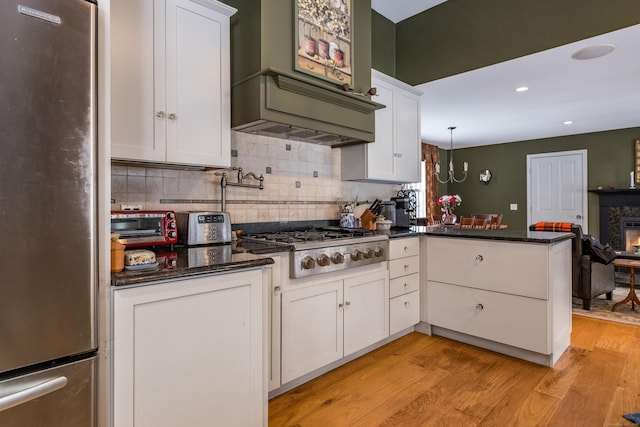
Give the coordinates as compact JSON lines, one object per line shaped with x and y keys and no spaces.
{"x":462,"y":35}
{"x":610,"y":159}
{"x":383,"y":44}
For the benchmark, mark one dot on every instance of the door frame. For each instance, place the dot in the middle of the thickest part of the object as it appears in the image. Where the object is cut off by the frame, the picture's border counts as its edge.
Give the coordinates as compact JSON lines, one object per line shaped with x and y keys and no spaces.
{"x":585,"y":175}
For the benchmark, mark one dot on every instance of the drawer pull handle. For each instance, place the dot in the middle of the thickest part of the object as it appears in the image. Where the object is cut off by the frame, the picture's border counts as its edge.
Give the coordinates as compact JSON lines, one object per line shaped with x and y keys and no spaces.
{"x":479,"y":258}
{"x":479,"y":307}
{"x":406,"y":266}
{"x":405,"y":285}
{"x":406,"y":249}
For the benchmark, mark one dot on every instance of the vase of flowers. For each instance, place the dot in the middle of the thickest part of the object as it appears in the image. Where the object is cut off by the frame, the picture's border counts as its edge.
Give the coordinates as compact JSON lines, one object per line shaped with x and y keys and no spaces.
{"x":447,"y":204}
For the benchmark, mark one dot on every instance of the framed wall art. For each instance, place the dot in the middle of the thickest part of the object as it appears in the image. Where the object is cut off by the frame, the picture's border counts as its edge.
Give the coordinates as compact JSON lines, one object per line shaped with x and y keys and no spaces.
{"x":323,"y":39}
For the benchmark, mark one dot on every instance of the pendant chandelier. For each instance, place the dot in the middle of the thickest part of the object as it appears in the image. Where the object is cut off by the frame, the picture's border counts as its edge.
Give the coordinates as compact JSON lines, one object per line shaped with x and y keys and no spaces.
{"x":451,"y":175}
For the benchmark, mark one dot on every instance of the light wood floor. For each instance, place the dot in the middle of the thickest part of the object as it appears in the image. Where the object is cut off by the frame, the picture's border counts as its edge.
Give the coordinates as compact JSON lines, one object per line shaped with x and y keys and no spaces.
{"x":432,"y":381}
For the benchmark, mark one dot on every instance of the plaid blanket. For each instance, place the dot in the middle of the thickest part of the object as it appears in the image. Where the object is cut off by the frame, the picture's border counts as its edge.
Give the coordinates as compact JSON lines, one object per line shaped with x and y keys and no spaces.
{"x":553,"y":226}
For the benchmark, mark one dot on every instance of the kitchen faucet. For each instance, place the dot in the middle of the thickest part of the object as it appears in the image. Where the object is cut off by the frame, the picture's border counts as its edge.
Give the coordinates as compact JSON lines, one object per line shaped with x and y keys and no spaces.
{"x":241,"y":177}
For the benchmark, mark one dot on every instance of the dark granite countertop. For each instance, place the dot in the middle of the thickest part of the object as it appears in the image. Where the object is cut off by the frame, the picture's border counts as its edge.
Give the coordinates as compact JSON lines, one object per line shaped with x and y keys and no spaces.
{"x":180,"y":262}
{"x":505,"y":234}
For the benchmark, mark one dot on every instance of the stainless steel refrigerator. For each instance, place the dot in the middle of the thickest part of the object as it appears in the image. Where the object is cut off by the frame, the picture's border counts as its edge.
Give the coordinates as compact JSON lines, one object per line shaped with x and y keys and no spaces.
{"x":48,"y":181}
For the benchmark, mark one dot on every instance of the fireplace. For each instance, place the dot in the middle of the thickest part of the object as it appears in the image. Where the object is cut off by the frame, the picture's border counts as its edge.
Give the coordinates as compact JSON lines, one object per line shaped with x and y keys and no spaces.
{"x":619,"y":217}
{"x":629,"y":233}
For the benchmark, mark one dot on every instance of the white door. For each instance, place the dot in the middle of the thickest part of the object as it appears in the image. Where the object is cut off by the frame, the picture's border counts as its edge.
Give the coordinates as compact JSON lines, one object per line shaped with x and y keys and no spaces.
{"x":557,"y":187}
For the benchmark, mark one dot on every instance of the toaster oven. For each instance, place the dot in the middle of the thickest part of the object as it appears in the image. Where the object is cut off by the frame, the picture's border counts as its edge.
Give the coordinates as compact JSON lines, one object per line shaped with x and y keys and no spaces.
{"x":145,"y":228}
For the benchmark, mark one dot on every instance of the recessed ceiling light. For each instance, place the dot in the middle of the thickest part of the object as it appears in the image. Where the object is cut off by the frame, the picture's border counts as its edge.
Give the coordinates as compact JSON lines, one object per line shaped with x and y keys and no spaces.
{"x":595,"y":51}
{"x":568,"y":122}
{"x":522,"y":89}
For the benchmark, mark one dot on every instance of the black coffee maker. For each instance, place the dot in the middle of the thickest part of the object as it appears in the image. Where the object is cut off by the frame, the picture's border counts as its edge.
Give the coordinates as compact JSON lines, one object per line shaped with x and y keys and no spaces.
{"x":405,"y":209}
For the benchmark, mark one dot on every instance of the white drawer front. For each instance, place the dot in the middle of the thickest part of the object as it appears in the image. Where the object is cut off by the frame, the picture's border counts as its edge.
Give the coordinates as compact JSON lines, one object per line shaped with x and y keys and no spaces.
{"x":509,"y":267}
{"x":517,"y":321}
{"x":403,"y":285}
{"x":399,"y":248}
{"x":404,"y":311}
{"x":404,"y":266}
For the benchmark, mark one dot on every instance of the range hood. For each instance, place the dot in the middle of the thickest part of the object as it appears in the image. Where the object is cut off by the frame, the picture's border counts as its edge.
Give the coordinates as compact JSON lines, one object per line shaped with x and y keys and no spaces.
{"x":288,"y":106}
{"x":269,"y":96}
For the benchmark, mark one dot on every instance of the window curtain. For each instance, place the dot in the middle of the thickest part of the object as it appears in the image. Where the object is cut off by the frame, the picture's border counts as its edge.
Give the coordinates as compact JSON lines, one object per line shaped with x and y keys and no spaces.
{"x":431,"y":156}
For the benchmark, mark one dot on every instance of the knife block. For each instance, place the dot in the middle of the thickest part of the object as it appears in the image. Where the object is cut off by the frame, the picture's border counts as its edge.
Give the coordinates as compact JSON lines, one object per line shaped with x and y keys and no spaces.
{"x":368,"y":220}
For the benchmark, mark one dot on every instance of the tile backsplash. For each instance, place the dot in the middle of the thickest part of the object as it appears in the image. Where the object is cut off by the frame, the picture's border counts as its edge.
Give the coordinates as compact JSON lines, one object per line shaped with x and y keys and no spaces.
{"x":301,"y":183}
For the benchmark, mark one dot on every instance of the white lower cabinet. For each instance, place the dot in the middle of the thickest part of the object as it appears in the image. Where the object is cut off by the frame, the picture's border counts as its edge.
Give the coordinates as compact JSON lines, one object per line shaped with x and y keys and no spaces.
{"x":516,"y":294}
{"x":190,"y":353}
{"x":404,"y":284}
{"x":324,"y":322}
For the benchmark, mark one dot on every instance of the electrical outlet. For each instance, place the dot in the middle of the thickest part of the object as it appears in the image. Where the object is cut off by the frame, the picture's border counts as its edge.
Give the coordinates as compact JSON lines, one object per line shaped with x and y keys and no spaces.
{"x":130,"y":207}
{"x":513,"y":206}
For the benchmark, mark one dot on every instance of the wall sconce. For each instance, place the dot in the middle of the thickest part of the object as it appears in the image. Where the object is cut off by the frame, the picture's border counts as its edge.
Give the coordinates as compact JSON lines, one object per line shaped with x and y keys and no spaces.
{"x":485,"y":176}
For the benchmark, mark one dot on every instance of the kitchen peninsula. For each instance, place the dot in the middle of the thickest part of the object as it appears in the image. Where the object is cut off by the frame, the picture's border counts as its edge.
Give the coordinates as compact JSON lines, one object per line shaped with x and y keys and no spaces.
{"x":504,"y":290}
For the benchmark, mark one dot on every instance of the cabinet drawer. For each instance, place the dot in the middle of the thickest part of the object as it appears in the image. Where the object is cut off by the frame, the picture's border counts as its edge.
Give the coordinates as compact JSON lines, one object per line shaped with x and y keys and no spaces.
{"x":399,"y":248}
{"x":508,"y":267}
{"x":508,"y":319}
{"x":404,"y":266}
{"x":403,"y":285}
{"x":404,"y":311}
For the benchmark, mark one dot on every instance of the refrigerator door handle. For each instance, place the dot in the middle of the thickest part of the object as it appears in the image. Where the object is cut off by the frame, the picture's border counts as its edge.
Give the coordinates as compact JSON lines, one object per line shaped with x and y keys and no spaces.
{"x":32,"y":393}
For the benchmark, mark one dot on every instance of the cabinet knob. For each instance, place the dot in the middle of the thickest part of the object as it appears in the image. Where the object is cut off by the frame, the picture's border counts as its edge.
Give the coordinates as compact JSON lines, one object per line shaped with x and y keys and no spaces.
{"x":173,"y":116}
{"x":479,"y":307}
{"x":276,"y":289}
{"x":406,"y":303}
{"x":340,"y":306}
{"x":479,"y":258}
{"x":160,"y":114}
{"x":397,"y":154}
{"x":347,"y":303}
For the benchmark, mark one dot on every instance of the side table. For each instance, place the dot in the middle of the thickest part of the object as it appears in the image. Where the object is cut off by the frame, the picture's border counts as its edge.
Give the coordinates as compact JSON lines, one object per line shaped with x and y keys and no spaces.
{"x":631,"y":264}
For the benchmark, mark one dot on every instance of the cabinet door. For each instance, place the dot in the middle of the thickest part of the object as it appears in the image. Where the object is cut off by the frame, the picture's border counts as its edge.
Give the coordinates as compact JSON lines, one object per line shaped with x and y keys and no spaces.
{"x":407,"y":139}
{"x":380,"y":159}
{"x":189,"y":352}
{"x":197,"y":85}
{"x":312,"y":328}
{"x":134,"y":52}
{"x":366,"y":311}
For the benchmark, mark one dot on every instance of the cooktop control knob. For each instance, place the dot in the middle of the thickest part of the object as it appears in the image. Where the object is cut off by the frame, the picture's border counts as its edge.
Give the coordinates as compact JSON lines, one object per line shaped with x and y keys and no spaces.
{"x":379,"y":251}
{"x":308,"y":263}
{"x":172,"y":225}
{"x":172,"y":234}
{"x":356,"y":255}
{"x":368,"y":253}
{"x":171,"y":215}
{"x":323,"y":260}
{"x":337,"y":258}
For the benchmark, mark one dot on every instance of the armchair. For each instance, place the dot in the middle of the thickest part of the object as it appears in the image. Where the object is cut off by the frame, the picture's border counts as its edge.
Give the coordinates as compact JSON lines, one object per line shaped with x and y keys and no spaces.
{"x":589,"y":278}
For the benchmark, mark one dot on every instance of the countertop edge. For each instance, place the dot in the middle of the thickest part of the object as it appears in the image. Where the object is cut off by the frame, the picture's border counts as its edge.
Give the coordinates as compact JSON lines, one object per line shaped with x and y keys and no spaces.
{"x":157,"y":275}
{"x":542,"y":237}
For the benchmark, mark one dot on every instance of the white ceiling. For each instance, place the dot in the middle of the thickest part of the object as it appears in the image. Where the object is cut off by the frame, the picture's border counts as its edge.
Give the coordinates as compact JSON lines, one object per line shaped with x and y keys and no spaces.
{"x":597,"y":95}
{"x":397,"y":11}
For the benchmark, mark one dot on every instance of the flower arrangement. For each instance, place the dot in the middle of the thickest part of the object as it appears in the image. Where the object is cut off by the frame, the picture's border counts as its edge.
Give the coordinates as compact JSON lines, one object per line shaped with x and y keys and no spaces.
{"x":449,"y":203}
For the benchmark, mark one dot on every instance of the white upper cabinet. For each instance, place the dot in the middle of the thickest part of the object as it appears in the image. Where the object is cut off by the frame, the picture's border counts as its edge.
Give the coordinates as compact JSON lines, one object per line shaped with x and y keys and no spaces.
{"x":170,"y":87}
{"x":395,"y":154}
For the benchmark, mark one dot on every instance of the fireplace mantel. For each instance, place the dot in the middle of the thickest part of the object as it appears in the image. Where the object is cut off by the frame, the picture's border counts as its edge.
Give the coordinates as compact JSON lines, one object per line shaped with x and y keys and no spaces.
{"x":612,"y":205}
{"x":621,"y":197}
